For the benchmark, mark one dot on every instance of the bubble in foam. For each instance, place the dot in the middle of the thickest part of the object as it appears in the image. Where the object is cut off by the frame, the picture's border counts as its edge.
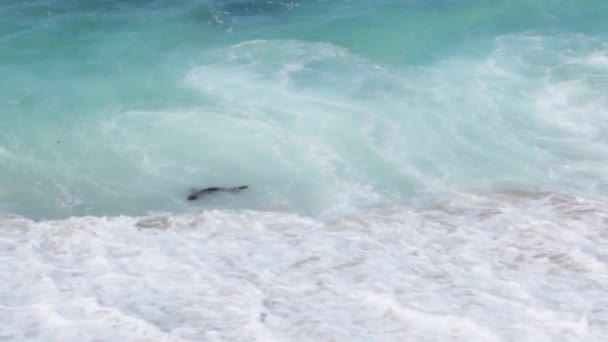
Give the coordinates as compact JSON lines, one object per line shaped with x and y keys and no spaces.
{"x":481,"y":265}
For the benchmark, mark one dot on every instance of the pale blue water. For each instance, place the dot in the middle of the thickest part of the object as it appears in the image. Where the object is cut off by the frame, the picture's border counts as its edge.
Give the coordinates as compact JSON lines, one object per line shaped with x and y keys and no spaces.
{"x":419,"y":170}
{"x":113,"y":107}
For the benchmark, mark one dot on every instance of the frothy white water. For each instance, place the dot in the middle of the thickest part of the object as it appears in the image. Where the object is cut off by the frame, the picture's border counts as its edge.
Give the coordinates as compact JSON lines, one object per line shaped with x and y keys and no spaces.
{"x":503,"y":267}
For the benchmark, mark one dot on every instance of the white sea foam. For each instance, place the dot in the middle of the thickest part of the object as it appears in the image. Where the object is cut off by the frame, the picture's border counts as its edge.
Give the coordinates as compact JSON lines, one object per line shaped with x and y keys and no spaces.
{"x":513,"y":265}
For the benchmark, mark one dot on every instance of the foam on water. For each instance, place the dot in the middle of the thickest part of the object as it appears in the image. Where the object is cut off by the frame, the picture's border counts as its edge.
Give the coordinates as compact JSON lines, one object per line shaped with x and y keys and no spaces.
{"x":508,"y":266}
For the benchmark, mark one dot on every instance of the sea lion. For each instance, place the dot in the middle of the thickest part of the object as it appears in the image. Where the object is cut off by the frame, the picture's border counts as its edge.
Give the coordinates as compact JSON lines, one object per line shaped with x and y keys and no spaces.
{"x":195,"y":194}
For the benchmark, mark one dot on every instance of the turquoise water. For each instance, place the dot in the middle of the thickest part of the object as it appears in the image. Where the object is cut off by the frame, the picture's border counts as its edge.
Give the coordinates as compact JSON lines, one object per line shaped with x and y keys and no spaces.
{"x":322,"y":107}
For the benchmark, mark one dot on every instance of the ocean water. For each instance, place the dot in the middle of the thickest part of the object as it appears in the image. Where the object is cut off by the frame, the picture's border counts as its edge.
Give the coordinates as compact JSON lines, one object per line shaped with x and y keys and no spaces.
{"x":419,"y":170}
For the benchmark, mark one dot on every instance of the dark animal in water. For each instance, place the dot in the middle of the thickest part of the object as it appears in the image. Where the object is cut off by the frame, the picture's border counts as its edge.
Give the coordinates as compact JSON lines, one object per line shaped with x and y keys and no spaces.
{"x":194,"y":195}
